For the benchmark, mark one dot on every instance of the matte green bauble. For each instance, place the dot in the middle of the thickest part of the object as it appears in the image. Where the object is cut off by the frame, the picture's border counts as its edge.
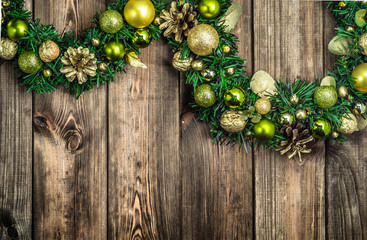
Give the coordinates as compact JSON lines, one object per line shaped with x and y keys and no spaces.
{"x":209,"y":9}
{"x":111,"y":21}
{"x":321,"y":128}
{"x":264,"y":130}
{"x":29,"y":62}
{"x":142,"y":38}
{"x":202,"y":39}
{"x":139,"y":13}
{"x":17,"y":29}
{"x":8,"y":48}
{"x":360,"y":77}
{"x":235,"y":97}
{"x":114,"y":51}
{"x":205,"y":96}
{"x":325,"y":97}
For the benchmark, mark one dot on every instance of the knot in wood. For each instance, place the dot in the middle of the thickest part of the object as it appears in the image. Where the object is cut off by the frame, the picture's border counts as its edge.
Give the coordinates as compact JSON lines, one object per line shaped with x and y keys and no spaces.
{"x":74,"y":140}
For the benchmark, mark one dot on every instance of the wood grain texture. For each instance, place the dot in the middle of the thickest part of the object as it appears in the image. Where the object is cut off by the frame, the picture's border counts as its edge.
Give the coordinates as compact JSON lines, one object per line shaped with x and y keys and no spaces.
{"x":144,"y":163}
{"x":217,"y":181}
{"x":70,"y":146}
{"x":289,"y":197}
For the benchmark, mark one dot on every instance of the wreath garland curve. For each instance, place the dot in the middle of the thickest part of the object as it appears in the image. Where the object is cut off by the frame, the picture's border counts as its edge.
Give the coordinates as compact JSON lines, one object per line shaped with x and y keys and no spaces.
{"x":243,"y":109}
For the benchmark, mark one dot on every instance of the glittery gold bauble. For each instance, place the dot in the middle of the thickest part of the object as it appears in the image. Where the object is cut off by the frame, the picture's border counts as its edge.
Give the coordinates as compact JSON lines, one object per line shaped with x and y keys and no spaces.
{"x":226,"y":49}
{"x":47,"y":73}
{"x":264,"y":130}
{"x":231,"y":71}
{"x":350,"y":29}
{"x":294,"y":99}
{"x":321,"y":128}
{"x":182,"y":65}
{"x":96,"y":42}
{"x":114,"y":50}
{"x":102,"y":67}
{"x":232,"y":122}
{"x":197,"y":65}
{"x":334,"y":135}
{"x":142,"y":38}
{"x":286,"y":119}
{"x":360,"y":77}
{"x":111,"y":21}
{"x":139,"y":13}
{"x":8,"y":49}
{"x":29,"y":62}
{"x":343,"y":91}
{"x":209,"y":9}
{"x":325,"y":97}
{"x":262,"y":106}
{"x":205,"y":96}
{"x":208,"y":74}
{"x":6,"y":3}
{"x":17,"y":29}
{"x":301,"y":114}
{"x":202,"y":39}
{"x":235,"y":97}
{"x":48,"y":51}
{"x":348,"y":124}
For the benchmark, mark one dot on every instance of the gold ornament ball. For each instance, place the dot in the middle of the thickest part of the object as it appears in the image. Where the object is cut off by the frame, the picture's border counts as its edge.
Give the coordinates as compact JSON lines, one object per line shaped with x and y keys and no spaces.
{"x":226,"y":49}
{"x":286,"y":119}
{"x":232,"y":122}
{"x":47,"y":73}
{"x":142,"y":38}
{"x":301,"y":114}
{"x":157,"y":21}
{"x":343,"y":91}
{"x":48,"y":51}
{"x":8,"y":48}
{"x":114,"y":51}
{"x":209,"y":9}
{"x":17,"y":29}
{"x":334,"y":135}
{"x":321,"y":128}
{"x":139,"y":13}
{"x":208,"y":74}
{"x":359,"y":108}
{"x":294,"y":99}
{"x":202,"y":39}
{"x":29,"y":62}
{"x":197,"y":65}
{"x":96,"y":42}
{"x":102,"y":67}
{"x":348,"y":124}
{"x":350,"y":29}
{"x":182,"y":65}
{"x":263,"y":106}
{"x":235,"y":97}
{"x":342,"y":5}
{"x":360,"y":77}
{"x":264,"y":130}
{"x":111,"y":21}
{"x":6,"y":3}
{"x":231,"y":71}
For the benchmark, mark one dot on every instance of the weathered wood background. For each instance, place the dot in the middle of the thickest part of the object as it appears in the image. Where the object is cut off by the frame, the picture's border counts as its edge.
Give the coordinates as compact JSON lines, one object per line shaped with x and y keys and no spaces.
{"x":128,"y":161}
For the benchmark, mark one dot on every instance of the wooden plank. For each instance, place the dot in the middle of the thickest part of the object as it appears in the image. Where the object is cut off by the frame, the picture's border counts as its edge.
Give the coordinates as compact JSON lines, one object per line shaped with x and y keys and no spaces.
{"x":217,"y":180}
{"x":289,"y":197}
{"x":15,"y":156}
{"x":70,"y":150}
{"x":144,"y":164}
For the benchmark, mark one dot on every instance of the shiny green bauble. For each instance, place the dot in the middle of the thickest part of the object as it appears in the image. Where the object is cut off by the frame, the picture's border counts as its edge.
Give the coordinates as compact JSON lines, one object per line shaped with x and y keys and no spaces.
{"x":47,"y":73}
{"x":286,"y":119}
{"x":321,"y":128}
{"x":264,"y":130}
{"x":325,"y":97}
{"x":205,"y":96}
{"x":208,"y":74}
{"x":235,"y":97}
{"x":139,"y":13}
{"x":17,"y":29}
{"x":209,"y":9}
{"x":114,"y":51}
{"x":111,"y":21}
{"x":360,"y":77}
{"x":142,"y":38}
{"x":29,"y":62}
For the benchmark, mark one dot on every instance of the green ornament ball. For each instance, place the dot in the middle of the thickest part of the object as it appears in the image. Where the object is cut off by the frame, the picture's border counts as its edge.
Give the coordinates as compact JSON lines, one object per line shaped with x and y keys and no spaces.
{"x":264,"y":130}
{"x":114,"y":51}
{"x":209,"y":9}
{"x":235,"y":97}
{"x":325,"y":97}
{"x":17,"y":29}
{"x":142,"y":38}
{"x":205,"y":96}
{"x":29,"y":62}
{"x":321,"y":128}
{"x":111,"y":21}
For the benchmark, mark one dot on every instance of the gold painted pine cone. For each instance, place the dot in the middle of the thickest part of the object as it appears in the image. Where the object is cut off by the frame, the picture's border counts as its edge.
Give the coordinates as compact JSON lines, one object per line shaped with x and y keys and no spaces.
{"x":79,"y":63}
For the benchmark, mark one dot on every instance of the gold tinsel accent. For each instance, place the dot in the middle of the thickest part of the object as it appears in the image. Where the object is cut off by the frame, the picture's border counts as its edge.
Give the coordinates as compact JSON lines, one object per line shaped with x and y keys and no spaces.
{"x":296,"y":141}
{"x":78,"y":63}
{"x":179,"y":20}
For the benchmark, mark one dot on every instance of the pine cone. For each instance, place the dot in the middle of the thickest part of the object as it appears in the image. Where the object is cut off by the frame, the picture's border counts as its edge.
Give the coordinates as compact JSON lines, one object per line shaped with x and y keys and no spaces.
{"x":78,"y":63}
{"x":296,"y":139}
{"x":179,"y":20}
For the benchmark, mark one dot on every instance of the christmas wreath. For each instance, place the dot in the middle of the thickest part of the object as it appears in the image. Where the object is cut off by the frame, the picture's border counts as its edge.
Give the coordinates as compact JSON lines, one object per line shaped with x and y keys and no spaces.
{"x":287,"y":117}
